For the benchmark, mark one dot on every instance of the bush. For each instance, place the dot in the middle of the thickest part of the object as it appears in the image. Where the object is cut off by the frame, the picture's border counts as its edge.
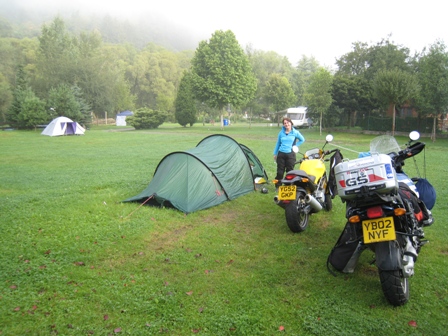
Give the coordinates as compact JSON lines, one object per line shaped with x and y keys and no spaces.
{"x":27,"y":111}
{"x":145,"y":118}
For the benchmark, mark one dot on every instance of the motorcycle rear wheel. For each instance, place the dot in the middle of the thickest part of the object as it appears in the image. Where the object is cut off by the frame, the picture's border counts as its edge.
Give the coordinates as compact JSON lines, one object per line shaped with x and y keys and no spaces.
{"x":296,"y":218}
{"x":395,"y":287}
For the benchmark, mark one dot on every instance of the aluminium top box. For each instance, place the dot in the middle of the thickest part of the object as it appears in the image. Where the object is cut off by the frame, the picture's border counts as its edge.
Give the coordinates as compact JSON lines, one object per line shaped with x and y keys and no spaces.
{"x":368,"y":174}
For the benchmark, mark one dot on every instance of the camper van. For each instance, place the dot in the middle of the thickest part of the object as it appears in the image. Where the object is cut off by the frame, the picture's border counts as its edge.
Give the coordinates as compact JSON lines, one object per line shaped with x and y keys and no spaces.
{"x":297,"y":116}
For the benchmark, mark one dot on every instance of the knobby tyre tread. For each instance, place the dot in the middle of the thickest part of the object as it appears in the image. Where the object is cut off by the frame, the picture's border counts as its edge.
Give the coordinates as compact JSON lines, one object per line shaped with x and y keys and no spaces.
{"x":297,"y":220}
{"x":395,"y":287}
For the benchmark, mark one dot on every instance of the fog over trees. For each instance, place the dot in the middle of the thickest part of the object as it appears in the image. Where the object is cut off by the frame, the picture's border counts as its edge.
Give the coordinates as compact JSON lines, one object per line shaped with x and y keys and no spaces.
{"x":85,"y":64}
{"x":19,"y":20}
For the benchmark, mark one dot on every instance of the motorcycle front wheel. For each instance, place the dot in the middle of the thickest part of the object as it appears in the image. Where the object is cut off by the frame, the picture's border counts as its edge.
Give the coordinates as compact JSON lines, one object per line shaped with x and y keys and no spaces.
{"x":296,"y":218}
{"x":328,"y":202}
{"x":395,"y":287}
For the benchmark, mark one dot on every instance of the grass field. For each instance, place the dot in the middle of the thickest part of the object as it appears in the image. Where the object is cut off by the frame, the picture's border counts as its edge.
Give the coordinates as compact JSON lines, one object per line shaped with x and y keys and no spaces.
{"x":75,"y":260}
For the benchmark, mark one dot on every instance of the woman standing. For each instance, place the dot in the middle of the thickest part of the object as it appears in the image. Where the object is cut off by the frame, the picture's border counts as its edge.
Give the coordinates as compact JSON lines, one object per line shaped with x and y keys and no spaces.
{"x":283,"y":153}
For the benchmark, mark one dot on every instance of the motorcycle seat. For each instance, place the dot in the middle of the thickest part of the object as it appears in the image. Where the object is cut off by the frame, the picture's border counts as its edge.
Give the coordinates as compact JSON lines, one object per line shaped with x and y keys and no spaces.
{"x":303,"y":173}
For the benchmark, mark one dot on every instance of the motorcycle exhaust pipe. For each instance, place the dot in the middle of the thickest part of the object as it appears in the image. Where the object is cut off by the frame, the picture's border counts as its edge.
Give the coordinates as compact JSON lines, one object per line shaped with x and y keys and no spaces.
{"x":409,"y":259}
{"x":276,"y":200}
{"x":315,"y":205}
{"x":353,"y":261}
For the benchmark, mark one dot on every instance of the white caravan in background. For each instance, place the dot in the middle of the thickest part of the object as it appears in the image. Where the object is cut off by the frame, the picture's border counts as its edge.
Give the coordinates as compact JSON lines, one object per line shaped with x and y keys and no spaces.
{"x":297,"y":116}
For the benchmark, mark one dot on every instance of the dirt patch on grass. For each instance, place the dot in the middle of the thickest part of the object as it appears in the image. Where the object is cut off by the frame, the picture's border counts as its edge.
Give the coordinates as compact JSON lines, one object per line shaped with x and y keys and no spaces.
{"x":168,"y":239}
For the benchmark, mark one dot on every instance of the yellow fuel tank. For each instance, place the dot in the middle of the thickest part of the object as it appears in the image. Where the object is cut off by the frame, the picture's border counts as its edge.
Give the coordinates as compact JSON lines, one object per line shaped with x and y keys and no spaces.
{"x":313,"y":167}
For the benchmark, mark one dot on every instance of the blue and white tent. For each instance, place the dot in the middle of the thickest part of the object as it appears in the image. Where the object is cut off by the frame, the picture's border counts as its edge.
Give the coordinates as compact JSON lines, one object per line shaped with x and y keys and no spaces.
{"x":63,"y":126}
{"x":121,"y":117}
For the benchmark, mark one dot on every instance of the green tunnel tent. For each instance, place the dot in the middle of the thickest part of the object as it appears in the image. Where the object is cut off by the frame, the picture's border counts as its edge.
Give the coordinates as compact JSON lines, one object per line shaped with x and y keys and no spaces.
{"x":216,"y":170}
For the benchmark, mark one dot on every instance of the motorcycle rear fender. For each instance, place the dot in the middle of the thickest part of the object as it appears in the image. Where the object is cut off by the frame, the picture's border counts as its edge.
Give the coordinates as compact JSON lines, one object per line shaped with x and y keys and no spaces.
{"x":300,"y":189}
{"x":388,"y":256}
{"x":297,"y":181}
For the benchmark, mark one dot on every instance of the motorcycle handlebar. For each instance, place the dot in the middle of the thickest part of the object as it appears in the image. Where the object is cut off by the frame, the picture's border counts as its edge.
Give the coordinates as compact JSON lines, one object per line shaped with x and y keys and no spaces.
{"x":323,"y":155}
{"x":332,"y":151}
{"x":410,"y":151}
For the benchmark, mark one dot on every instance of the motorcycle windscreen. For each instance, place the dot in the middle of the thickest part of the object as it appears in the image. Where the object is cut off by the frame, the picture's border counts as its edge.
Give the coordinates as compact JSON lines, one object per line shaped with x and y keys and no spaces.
{"x":384,"y":144}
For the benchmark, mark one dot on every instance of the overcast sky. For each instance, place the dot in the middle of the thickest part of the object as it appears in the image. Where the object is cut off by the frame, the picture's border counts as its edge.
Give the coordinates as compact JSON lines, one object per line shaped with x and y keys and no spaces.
{"x":324,"y":29}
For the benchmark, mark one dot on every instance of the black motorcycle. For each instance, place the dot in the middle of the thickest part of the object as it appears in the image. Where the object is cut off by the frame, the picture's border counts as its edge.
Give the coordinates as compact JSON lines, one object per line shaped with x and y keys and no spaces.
{"x":384,"y":214}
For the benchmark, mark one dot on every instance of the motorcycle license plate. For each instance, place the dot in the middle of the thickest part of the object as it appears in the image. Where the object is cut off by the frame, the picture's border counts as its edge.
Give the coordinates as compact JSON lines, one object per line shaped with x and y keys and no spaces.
{"x":378,"y":230}
{"x":287,"y":193}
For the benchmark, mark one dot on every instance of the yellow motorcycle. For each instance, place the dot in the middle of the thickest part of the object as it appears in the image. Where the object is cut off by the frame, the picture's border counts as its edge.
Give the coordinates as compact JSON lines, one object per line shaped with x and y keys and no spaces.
{"x":305,"y":191}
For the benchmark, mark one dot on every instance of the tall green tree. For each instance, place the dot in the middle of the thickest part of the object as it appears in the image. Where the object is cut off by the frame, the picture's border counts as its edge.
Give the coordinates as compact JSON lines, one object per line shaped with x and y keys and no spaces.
{"x":18,"y":96}
{"x":84,"y":107}
{"x":100,"y":76}
{"x":432,"y":74}
{"x":386,"y":55}
{"x":278,"y":92}
{"x":395,"y":87}
{"x":360,"y":66}
{"x":154,"y":76}
{"x":5,"y":97}
{"x":185,"y":103}
{"x":352,"y":94}
{"x":356,"y":61}
{"x":64,"y":58}
{"x":264,"y":64}
{"x":221,"y":72}
{"x":57,"y":57}
{"x":318,"y":94}
{"x":15,"y":52}
{"x":367,"y":60}
{"x":63,"y":101}
{"x":305,"y":68}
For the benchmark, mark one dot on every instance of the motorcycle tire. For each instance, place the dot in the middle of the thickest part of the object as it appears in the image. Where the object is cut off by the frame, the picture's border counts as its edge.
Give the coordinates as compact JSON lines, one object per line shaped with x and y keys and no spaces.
{"x":395,"y":287}
{"x":328,"y":202}
{"x":296,"y":218}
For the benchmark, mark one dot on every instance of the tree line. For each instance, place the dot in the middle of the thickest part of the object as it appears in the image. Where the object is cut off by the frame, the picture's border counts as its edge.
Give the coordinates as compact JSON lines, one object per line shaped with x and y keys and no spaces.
{"x":79,"y":75}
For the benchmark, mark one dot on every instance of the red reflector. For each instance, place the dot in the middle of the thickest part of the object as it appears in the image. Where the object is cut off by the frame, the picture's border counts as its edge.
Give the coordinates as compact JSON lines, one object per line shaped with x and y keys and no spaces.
{"x":289,"y":177}
{"x":375,"y":212}
{"x":419,"y":215}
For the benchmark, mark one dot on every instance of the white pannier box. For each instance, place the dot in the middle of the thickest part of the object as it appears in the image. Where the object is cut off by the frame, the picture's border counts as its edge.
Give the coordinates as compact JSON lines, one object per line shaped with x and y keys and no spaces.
{"x":372,"y":173}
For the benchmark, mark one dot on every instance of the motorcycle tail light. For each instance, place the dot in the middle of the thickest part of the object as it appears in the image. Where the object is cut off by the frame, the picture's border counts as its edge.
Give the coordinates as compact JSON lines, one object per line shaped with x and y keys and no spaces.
{"x":375,"y":212}
{"x":289,"y":177}
{"x":399,"y":211}
{"x":354,"y":219}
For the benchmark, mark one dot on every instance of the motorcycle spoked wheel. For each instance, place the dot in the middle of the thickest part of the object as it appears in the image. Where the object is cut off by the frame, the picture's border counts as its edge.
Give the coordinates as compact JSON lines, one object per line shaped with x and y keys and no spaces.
{"x":296,"y":218}
{"x":395,"y":287}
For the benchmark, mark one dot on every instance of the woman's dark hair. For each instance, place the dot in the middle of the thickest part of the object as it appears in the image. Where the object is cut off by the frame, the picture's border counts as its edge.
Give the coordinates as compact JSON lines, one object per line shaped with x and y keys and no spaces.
{"x":288,"y":119}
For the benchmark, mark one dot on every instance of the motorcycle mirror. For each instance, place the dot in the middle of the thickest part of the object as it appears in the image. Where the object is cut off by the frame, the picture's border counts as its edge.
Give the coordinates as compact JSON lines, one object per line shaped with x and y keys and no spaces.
{"x":414,"y":135}
{"x":295,"y":149}
{"x":329,"y":138}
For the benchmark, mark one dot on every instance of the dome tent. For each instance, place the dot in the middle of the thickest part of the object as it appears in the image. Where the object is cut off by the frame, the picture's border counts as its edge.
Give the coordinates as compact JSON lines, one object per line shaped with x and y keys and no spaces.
{"x":216,"y":170}
{"x":63,"y":126}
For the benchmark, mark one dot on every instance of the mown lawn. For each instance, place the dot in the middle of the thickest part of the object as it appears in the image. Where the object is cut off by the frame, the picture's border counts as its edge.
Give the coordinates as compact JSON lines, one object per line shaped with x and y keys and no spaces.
{"x":75,"y":260}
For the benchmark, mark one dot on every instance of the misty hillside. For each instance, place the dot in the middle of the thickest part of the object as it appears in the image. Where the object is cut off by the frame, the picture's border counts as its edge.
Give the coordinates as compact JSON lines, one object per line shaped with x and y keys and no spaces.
{"x":20,"y":23}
